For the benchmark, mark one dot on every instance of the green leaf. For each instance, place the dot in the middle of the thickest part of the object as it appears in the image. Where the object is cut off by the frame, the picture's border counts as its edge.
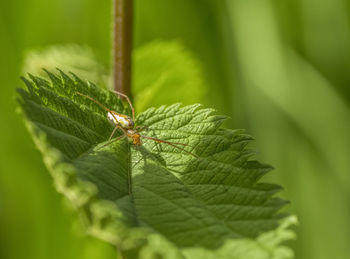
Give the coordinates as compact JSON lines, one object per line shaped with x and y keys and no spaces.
{"x":159,"y":68}
{"x":155,"y":200}
{"x":78,"y":59}
{"x":165,"y":72}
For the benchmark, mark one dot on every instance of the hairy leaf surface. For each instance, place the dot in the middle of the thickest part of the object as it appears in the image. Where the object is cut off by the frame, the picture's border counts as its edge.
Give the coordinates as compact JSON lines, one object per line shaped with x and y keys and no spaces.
{"x":203,"y":199}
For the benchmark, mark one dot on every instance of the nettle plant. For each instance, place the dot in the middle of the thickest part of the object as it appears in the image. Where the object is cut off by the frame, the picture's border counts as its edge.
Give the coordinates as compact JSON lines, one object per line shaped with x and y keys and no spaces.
{"x":198,"y":197}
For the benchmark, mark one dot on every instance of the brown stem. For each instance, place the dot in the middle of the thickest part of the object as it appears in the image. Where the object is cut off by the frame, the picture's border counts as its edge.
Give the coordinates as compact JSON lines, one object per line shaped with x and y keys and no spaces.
{"x":122,"y":45}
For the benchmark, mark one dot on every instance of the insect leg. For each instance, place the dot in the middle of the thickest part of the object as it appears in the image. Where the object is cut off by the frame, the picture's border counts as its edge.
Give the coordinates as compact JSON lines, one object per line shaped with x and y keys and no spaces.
{"x":114,"y":130}
{"x":98,"y":103}
{"x":113,"y":140}
{"x":173,"y":144}
{"x":128,"y":100}
{"x":140,"y":128}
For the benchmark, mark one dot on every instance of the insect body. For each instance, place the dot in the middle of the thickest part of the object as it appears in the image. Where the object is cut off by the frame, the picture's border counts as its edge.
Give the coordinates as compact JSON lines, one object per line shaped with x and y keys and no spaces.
{"x":135,"y":136}
{"x":127,"y":126}
{"x":121,"y":119}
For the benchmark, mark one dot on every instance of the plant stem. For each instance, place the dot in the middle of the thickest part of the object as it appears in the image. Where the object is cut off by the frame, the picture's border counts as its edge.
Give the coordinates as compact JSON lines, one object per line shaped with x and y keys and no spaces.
{"x":122,"y":45}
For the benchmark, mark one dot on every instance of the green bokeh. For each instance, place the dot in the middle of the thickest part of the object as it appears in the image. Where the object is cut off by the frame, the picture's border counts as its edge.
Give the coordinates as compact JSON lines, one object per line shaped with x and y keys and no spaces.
{"x":278,"y":68}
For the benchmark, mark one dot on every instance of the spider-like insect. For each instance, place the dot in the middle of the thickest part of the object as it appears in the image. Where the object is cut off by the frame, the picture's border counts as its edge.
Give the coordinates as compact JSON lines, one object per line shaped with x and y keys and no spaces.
{"x":127,"y":125}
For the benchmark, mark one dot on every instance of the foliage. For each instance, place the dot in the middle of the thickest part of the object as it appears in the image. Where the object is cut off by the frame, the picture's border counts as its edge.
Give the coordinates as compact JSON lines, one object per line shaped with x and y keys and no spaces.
{"x":165,"y":72}
{"x":155,"y":199}
{"x":159,"y":68}
{"x":309,"y":152}
{"x":70,"y":57}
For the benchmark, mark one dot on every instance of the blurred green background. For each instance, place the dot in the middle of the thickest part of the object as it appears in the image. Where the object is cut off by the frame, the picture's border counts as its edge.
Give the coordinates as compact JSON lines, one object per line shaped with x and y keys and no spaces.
{"x":280,"y":69}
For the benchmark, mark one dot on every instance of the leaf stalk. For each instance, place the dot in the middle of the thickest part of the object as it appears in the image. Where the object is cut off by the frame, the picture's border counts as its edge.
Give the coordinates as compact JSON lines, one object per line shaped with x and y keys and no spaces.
{"x":122,"y":45}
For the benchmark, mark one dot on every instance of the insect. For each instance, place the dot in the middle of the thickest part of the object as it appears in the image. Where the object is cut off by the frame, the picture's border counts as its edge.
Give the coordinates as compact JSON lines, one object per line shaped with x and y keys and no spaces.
{"x":127,"y":125}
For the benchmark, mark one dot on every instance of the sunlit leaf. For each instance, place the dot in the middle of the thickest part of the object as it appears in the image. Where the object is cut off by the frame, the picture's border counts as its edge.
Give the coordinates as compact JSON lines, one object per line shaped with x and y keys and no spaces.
{"x":201,"y":200}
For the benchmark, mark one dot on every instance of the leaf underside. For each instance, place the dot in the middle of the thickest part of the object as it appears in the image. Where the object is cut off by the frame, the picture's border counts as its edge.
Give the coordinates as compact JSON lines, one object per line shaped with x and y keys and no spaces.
{"x":154,"y":199}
